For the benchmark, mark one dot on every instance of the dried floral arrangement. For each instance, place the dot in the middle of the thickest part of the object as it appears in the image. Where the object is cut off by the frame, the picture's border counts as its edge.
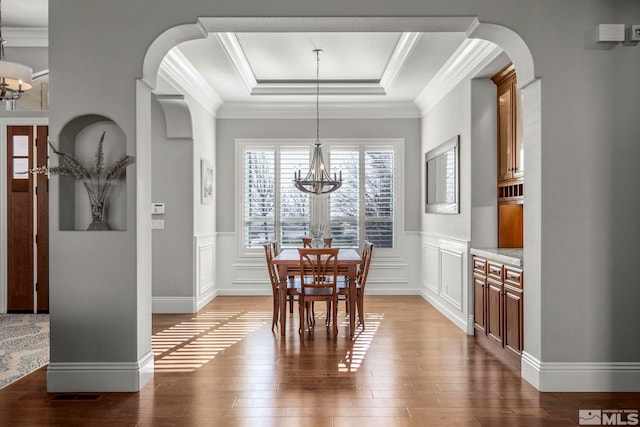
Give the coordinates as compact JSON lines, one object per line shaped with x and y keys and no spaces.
{"x":96,"y":179}
{"x":317,"y":230}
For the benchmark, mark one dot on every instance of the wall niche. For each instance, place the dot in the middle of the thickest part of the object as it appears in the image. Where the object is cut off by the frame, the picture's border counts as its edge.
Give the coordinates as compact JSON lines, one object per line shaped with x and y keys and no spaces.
{"x":80,"y":137}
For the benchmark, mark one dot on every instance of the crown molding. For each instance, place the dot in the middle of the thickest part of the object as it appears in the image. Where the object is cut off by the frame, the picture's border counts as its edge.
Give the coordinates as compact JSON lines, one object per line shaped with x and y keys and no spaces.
{"x":299,"y":110}
{"x":180,"y":73}
{"x":326,"y":88}
{"x":399,"y":57}
{"x":233,"y":50}
{"x":26,"y":36}
{"x":470,"y":57}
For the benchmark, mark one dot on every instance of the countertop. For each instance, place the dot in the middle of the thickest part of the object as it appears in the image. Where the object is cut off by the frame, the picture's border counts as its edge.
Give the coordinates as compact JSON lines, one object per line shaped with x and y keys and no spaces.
{"x":511,"y":256}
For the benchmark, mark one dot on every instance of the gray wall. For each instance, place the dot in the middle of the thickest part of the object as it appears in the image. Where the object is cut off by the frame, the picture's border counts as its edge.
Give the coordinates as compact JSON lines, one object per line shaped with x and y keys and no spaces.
{"x":451,"y":117}
{"x":230,"y":129}
{"x":172,"y":178}
{"x":589,"y":203}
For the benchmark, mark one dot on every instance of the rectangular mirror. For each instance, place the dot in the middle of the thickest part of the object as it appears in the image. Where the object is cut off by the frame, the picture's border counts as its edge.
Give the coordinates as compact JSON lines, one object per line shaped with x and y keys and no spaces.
{"x":441,"y":175}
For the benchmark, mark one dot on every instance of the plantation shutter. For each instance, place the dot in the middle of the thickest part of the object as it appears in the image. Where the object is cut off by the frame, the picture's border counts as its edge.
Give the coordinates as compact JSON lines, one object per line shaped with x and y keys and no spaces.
{"x":378,"y":179}
{"x":294,"y":204}
{"x":259,"y":196}
{"x":344,"y":202}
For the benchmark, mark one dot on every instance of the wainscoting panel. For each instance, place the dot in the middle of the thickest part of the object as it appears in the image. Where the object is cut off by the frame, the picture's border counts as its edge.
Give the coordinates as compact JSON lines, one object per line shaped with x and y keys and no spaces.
{"x":205,"y":269}
{"x":246,"y":274}
{"x":445,"y":282}
{"x":431,"y":267}
{"x":451,"y":277}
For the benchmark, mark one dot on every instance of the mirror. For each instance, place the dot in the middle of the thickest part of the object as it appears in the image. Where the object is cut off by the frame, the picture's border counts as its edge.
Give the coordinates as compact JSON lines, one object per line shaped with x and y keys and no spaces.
{"x":441,"y":175}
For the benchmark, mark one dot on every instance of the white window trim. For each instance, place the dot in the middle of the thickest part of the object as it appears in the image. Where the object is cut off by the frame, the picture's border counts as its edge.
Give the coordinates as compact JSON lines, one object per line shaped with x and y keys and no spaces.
{"x":398,"y":188}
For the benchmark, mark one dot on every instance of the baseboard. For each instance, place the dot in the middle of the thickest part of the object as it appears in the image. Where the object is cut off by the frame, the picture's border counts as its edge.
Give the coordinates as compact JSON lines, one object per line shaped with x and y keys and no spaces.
{"x":206,"y":297}
{"x":173,"y":305}
{"x":581,"y":377}
{"x":100,"y":377}
{"x":448,"y":313}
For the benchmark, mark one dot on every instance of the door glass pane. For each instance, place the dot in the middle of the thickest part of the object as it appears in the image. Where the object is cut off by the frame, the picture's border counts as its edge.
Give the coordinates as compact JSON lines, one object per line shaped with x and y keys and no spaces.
{"x":21,"y":168}
{"x":20,"y":145}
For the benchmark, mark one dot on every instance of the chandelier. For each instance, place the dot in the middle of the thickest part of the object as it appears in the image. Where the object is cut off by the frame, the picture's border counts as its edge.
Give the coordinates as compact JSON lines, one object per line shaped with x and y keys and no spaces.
{"x":14,"y":78}
{"x":318,"y":180}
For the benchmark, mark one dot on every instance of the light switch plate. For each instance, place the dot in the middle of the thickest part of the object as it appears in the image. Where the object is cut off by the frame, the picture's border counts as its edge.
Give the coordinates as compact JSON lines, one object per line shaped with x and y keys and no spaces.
{"x":634,"y":33}
{"x":157,"y":208}
{"x":157,"y":224}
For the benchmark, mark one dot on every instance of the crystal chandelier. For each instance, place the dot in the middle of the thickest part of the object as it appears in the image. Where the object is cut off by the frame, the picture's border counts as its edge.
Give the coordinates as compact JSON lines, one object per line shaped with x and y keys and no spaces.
{"x":318,"y":180}
{"x":14,"y":78}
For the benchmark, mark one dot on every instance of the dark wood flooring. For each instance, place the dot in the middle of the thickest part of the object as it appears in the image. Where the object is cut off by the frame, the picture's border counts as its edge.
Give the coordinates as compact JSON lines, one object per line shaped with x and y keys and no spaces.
{"x":224,"y":367}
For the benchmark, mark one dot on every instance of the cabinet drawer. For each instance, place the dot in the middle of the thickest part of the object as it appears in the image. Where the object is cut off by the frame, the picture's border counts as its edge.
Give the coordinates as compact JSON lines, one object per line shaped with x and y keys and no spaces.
{"x":479,"y":265}
{"x":513,"y":276}
{"x":495,"y":270}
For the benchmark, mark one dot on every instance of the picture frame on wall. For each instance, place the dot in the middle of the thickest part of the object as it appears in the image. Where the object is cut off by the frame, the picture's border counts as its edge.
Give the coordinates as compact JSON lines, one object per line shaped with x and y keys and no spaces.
{"x":206,"y":182}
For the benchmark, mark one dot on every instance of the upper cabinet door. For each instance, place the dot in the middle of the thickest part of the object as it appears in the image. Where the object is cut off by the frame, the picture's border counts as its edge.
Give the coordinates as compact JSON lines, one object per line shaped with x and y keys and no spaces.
{"x":518,"y":143}
{"x":505,"y":132}
{"x":510,"y":146}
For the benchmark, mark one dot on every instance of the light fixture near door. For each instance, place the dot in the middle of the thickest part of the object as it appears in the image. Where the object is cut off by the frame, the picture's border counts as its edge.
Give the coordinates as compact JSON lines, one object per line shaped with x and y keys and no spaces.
{"x":318,"y":180}
{"x":14,"y":78}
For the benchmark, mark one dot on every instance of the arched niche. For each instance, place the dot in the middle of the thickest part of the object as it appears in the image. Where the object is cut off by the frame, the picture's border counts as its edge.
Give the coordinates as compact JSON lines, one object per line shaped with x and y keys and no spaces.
{"x":80,"y":138}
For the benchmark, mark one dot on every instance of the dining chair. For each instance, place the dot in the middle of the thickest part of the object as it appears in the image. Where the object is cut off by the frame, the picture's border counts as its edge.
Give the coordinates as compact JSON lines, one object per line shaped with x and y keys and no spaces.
{"x":361,"y":282}
{"x":293,"y":285}
{"x":318,"y":279}
{"x":306,"y":241}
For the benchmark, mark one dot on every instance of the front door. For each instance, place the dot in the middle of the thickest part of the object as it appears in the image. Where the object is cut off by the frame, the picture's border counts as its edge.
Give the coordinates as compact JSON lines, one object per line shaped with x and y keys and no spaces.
{"x":27,"y":220}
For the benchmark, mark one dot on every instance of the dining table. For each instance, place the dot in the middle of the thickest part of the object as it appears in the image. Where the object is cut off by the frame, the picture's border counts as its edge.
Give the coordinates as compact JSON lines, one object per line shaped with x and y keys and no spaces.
{"x":288,"y":263}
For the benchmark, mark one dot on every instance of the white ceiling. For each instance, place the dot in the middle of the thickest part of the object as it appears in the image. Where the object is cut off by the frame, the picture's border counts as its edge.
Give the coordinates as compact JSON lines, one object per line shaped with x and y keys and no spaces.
{"x":355,"y":67}
{"x":25,"y":13}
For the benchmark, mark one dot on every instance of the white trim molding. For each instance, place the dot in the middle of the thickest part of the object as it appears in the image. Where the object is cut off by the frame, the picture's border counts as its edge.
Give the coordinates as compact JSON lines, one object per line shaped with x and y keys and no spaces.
{"x":445,"y":281}
{"x":397,"y":60}
{"x":581,"y":376}
{"x":470,"y":57}
{"x":100,"y":377}
{"x":180,"y":73}
{"x":204,"y":286}
{"x":330,"y":110}
{"x":174,"y":305}
{"x":26,"y":36}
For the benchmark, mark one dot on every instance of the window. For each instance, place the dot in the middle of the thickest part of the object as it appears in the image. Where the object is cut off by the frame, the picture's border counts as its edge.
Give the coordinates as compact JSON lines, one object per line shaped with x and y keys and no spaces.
{"x":273,"y":208}
{"x":362,"y":209}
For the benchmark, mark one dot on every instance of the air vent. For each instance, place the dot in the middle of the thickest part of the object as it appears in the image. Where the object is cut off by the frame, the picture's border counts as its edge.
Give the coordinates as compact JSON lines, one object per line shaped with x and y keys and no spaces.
{"x":75,"y":398}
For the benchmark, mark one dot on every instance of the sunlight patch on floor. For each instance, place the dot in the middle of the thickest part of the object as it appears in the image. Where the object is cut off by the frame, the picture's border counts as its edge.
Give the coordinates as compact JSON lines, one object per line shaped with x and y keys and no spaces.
{"x":188,"y":345}
{"x":361,"y":343}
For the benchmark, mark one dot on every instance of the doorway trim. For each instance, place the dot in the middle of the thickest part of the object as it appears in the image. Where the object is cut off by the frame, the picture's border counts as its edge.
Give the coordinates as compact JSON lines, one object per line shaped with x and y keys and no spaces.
{"x":511,"y":42}
{"x":4,"y":123}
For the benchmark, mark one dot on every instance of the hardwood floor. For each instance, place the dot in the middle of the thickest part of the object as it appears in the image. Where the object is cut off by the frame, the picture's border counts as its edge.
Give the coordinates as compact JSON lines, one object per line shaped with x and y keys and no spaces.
{"x":224,"y":367}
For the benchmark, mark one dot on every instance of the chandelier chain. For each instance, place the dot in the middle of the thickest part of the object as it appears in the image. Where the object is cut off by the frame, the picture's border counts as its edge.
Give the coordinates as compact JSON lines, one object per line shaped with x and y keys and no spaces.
{"x":317,"y":92}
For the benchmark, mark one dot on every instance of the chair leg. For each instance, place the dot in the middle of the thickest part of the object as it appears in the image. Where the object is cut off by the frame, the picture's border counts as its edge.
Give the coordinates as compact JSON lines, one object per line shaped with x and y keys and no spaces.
{"x":301,"y":310}
{"x":360,"y":303}
{"x":291,"y":304}
{"x":276,"y":312}
{"x":335,"y":316}
{"x":327,"y":321}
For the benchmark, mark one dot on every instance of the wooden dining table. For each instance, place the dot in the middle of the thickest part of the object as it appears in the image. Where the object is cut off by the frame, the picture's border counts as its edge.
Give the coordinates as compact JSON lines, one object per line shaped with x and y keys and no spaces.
{"x":288,"y":263}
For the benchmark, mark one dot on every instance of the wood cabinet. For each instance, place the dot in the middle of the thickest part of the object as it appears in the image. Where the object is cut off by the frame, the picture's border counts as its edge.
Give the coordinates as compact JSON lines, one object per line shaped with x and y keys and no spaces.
{"x":510,"y":147}
{"x":498,"y":303}
{"x":510,"y":160}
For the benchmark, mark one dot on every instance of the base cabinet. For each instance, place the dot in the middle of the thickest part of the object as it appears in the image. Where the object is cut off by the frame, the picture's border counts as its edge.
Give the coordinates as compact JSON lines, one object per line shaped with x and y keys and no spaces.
{"x":498,"y":303}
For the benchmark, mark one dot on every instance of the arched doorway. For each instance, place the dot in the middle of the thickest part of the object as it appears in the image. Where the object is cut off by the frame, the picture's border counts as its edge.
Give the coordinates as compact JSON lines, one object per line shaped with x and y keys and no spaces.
{"x":508,"y":40}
